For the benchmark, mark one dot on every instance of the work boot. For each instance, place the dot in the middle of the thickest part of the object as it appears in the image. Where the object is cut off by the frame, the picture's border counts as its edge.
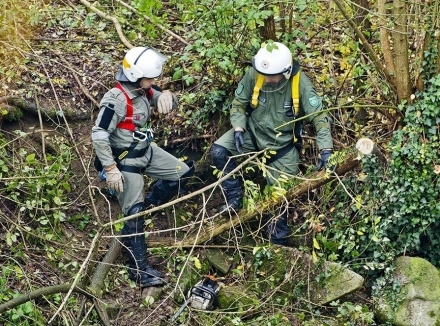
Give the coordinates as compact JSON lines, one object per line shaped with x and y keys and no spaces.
{"x":139,"y":270}
{"x":276,"y":230}
{"x":233,"y":194}
{"x":147,"y":277}
{"x":231,"y":186}
{"x":164,"y":190}
{"x":134,"y":241}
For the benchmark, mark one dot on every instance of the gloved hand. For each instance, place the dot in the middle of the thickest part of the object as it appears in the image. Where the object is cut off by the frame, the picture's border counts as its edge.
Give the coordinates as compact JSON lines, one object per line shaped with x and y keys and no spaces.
{"x":115,"y":179}
{"x":323,"y":160}
{"x":239,"y":140}
{"x":165,"y":102}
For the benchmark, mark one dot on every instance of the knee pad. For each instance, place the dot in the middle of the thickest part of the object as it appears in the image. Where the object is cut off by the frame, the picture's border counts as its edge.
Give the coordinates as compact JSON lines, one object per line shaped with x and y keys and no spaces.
{"x":219,"y":156}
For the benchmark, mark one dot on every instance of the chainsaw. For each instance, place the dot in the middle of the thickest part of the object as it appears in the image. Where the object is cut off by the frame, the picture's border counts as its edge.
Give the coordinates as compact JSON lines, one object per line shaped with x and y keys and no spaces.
{"x":203,"y":296}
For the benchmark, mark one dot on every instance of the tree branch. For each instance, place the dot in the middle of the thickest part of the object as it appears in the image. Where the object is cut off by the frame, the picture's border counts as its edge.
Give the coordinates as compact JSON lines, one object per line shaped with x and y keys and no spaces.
{"x":371,"y":53}
{"x":33,"y":295}
{"x":111,"y":18}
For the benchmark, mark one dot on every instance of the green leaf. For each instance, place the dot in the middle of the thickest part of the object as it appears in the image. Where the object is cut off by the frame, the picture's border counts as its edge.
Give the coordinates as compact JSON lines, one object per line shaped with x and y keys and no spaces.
{"x":316,"y":244}
{"x":30,"y":158}
{"x":197,"y":263}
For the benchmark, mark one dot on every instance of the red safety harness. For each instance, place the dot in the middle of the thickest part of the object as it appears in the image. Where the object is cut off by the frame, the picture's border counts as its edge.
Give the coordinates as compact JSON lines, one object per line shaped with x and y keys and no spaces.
{"x":128,"y":123}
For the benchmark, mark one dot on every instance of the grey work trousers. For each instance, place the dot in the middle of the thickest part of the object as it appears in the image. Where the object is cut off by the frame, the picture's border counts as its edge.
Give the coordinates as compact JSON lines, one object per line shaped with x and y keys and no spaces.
{"x":159,"y":165}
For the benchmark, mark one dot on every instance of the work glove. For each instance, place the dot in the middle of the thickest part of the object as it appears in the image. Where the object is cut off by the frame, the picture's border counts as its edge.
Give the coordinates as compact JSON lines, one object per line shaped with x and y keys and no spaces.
{"x":323,"y":160}
{"x":239,"y":140}
{"x":165,"y":102}
{"x":114,"y":179}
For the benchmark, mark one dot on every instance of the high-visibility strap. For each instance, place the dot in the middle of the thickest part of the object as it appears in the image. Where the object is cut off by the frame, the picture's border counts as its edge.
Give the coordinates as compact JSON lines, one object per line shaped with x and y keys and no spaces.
{"x":295,"y":101}
{"x":295,"y":96}
{"x":295,"y":93}
{"x":128,"y":121}
{"x":257,"y":87}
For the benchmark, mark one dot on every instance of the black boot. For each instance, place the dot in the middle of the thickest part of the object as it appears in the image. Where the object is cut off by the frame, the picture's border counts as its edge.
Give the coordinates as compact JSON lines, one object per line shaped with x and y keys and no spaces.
{"x":231,"y":186}
{"x":277,"y":230}
{"x":139,"y":270}
{"x":164,"y":190}
{"x":233,"y":194}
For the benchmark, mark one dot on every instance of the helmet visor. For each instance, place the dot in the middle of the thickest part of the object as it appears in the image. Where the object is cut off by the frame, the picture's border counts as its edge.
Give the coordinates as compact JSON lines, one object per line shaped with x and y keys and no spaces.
{"x":150,"y":63}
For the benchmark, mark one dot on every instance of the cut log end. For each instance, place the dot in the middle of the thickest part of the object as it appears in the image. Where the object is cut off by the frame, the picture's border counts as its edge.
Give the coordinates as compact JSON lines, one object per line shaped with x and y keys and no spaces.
{"x":365,"y":146}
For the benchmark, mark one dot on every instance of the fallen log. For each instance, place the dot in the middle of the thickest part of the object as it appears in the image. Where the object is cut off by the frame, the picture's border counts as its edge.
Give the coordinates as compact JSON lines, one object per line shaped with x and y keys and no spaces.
{"x":14,"y":106}
{"x":207,"y":231}
{"x":39,"y":293}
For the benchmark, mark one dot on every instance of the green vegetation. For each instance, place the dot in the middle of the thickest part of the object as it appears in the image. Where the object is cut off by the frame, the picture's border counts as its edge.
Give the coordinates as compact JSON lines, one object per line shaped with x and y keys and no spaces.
{"x":363,"y":220}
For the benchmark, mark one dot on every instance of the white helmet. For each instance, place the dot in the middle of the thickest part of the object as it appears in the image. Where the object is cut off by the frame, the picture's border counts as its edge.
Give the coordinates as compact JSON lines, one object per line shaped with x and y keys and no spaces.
{"x":273,"y":58}
{"x":141,"y":62}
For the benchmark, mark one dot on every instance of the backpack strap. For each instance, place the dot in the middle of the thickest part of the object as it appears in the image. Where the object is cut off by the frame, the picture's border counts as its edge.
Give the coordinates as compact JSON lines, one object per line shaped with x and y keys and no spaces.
{"x":295,"y":103}
{"x":257,"y":87}
{"x":127,"y":123}
{"x":295,"y":98}
{"x":295,"y":93}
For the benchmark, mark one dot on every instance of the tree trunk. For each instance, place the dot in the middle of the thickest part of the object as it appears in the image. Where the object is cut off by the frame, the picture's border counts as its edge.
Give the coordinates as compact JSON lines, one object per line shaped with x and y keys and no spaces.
{"x":267,"y":32}
{"x":400,"y":43}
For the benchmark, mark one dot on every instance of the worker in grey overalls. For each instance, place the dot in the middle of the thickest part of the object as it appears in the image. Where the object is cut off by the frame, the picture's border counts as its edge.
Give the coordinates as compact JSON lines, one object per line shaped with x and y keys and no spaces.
{"x":262,"y":118}
{"x":122,"y":138}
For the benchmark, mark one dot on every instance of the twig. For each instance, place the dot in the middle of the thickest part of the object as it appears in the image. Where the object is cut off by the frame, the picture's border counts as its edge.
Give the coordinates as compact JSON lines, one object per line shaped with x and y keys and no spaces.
{"x":43,"y":143}
{"x":81,"y":86}
{"x":151,"y":21}
{"x":112,"y":19}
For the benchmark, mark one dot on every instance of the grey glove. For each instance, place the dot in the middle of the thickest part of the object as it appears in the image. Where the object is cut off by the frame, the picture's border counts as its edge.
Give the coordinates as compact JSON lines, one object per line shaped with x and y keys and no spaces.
{"x":115,"y":179}
{"x":239,"y":140}
{"x":323,"y":160}
{"x":165,"y":102}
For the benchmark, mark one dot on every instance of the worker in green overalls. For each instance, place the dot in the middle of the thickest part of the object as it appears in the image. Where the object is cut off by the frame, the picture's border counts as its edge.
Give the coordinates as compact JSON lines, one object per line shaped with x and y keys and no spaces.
{"x":122,"y":139}
{"x":260,"y":117}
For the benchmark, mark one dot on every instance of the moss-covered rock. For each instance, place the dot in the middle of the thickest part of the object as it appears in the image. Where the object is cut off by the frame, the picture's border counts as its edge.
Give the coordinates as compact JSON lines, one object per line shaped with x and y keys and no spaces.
{"x":294,"y":274}
{"x":418,"y":302}
{"x":218,"y":259}
{"x":237,"y":297}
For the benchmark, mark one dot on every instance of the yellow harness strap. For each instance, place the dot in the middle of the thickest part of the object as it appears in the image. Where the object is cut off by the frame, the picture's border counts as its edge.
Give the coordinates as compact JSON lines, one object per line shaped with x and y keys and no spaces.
{"x":295,"y":95}
{"x":295,"y":91}
{"x":295,"y":100}
{"x":257,"y":87}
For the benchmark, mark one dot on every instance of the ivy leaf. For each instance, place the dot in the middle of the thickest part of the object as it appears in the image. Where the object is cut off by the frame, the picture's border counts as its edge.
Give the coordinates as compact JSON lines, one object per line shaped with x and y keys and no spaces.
{"x":197,"y":263}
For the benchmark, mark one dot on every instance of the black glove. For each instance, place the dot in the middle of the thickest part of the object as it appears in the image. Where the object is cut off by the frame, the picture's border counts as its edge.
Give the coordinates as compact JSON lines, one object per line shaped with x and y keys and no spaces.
{"x":239,"y":140}
{"x":323,"y":160}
